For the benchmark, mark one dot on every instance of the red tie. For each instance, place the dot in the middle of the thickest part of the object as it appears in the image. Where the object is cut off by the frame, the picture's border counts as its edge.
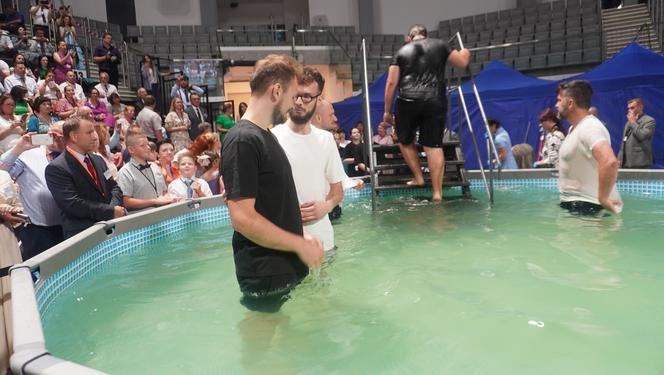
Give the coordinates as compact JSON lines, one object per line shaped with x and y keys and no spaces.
{"x":93,"y":172}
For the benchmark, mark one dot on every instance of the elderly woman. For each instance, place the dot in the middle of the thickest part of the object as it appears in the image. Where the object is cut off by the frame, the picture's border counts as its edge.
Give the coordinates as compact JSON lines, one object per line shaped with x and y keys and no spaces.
{"x":66,"y":106}
{"x":554,"y":135}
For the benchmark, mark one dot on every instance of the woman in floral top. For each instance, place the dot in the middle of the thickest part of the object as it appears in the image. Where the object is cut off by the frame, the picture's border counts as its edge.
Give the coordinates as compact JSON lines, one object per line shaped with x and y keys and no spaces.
{"x":178,"y":124}
{"x":554,"y":136}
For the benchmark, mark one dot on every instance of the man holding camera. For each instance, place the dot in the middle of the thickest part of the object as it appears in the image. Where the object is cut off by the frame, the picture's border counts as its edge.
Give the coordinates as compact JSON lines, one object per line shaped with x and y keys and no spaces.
{"x":26,"y":163}
{"x":108,"y":58}
{"x":41,"y":15}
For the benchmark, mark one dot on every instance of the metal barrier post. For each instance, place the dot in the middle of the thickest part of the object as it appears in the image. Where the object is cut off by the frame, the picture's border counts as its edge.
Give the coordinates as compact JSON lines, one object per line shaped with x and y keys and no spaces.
{"x":368,"y":128}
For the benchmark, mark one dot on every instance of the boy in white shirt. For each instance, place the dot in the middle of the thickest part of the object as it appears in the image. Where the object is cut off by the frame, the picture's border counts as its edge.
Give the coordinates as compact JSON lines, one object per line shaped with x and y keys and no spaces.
{"x":188,"y":186}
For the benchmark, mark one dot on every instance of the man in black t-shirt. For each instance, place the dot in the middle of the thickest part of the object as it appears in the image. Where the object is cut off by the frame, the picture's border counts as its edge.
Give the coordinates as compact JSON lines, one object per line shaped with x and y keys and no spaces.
{"x":271,"y":253}
{"x":418,"y":70}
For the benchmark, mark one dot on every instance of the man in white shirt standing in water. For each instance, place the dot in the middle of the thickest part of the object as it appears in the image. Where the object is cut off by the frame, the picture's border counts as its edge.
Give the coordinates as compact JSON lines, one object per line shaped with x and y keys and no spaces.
{"x":314,"y":159}
{"x":588,"y":168}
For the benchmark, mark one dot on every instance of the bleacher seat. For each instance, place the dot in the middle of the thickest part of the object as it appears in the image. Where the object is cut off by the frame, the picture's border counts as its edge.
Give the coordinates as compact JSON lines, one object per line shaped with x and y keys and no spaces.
{"x":190,"y":51}
{"x":591,"y":42}
{"x":538,"y":61}
{"x":574,"y":44}
{"x":160,"y":30}
{"x":147,"y":30}
{"x":522,"y":63}
{"x":525,"y":50}
{"x":557,"y":46}
{"x":574,"y":57}
{"x":556,"y":59}
{"x":187,"y":30}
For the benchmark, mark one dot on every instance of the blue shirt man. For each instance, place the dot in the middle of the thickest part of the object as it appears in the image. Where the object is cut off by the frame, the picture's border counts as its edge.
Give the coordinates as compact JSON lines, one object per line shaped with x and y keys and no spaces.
{"x":503,"y":145}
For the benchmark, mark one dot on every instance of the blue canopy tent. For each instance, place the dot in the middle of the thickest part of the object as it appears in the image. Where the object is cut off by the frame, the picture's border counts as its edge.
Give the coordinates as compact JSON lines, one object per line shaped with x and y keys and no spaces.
{"x":512,"y":98}
{"x":350,"y":111}
{"x":635,"y":72}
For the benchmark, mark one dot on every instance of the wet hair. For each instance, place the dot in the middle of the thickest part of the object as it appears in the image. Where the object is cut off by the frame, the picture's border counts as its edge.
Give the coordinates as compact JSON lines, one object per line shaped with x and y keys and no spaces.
{"x":310,"y":75}
{"x":580,"y":91}
{"x":274,"y":69}
{"x":417,"y":30}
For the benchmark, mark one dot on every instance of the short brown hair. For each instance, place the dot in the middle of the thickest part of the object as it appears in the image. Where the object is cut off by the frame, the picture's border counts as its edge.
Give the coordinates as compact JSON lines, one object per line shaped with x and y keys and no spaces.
{"x":416,"y":30}
{"x":579,"y":90}
{"x":310,"y":75}
{"x":149,"y":101}
{"x":72,"y":124}
{"x":274,"y":69}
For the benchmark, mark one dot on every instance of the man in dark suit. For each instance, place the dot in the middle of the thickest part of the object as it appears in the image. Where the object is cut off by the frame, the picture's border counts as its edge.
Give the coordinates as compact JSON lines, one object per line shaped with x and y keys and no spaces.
{"x":80,"y":182}
{"x":196,"y":114}
{"x":636,"y":145}
{"x":141,"y":93}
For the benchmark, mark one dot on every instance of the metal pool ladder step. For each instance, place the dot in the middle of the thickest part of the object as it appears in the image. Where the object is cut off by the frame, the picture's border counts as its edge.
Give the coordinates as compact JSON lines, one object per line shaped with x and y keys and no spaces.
{"x":392,"y":172}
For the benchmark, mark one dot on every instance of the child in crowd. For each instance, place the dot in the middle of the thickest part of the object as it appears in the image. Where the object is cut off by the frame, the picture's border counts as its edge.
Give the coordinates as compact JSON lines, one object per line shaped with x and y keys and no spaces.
{"x":188,"y":186}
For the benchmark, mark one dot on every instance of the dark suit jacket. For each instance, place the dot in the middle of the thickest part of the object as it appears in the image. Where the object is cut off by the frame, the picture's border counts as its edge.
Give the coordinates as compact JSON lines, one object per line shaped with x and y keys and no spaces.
{"x":76,"y":193}
{"x":138,"y":105}
{"x":195,"y":121}
{"x":636,"y":143}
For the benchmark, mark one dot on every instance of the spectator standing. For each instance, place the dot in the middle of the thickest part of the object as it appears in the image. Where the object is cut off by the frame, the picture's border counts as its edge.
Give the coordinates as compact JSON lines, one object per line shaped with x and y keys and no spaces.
{"x":188,"y":186}
{"x":23,"y":42}
{"x":183,"y":89}
{"x":79,"y":182}
{"x":636,"y":145}
{"x":67,"y":32}
{"x":41,"y":14}
{"x":150,"y":75}
{"x":78,"y":89}
{"x":48,"y":88}
{"x":202,"y":143}
{"x":41,"y":46}
{"x":125,"y":122}
{"x":108,"y":58}
{"x":178,"y":125}
{"x":26,"y":164}
{"x":354,"y":154}
{"x":196,"y":116}
{"x":20,"y":78}
{"x":503,"y":145}
{"x":150,"y":121}
{"x":142,"y":183}
{"x":104,"y":150}
{"x":64,"y":61}
{"x":224,"y":121}
{"x":553,"y":139}
{"x":11,"y":125}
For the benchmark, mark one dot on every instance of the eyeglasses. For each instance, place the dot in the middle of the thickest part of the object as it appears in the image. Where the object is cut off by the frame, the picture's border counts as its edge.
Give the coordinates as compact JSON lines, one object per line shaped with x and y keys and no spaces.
{"x":305,"y":98}
{"x":631,"y":108}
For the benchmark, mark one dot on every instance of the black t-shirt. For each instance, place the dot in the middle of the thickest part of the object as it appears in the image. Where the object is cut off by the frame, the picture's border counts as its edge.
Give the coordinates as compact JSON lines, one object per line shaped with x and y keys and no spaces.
{"x":422,"y":69}
{"x":255,"y":166}
{"x":355,"y":151}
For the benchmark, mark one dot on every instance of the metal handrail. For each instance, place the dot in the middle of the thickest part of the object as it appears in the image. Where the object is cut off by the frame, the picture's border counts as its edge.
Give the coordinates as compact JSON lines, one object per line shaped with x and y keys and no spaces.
{"x":368,"y":129}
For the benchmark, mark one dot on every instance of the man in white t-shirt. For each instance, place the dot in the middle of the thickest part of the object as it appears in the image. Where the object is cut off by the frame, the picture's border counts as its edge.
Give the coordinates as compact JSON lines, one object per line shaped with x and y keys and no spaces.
{"x":314,"y":159}
{"x":105,"y":88}
{"x":588,"y":168}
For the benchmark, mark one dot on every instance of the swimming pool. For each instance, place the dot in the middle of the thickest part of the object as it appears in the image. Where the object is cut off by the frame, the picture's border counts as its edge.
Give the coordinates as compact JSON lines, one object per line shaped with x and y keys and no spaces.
{"x":450,"y":288}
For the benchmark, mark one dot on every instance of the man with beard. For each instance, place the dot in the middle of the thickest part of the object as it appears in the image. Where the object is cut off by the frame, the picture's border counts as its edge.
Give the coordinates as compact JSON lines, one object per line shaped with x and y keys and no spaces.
{"x":588,"y":168}
{"x":272,"y":254}
{"x":314,"y":159}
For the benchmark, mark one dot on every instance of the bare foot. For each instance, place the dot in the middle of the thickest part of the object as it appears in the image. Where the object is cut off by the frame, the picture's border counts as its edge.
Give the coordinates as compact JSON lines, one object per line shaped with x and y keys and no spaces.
{"x":415,"y":182}
{"x":437,"y":198}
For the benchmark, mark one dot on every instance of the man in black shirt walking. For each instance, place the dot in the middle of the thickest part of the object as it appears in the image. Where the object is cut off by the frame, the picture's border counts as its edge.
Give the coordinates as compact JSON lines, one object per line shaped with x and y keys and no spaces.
{"x":418,"y":70}
{"x":271,"y":253}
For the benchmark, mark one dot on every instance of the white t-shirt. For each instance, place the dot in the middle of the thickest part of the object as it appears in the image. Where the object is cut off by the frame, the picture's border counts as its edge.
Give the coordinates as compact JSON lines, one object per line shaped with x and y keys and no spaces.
{"x":579,"y":173}
{"x":177,"y":188}
{"x":316,"y":164}
{"x":13,"y":137}
{"x":78,"y":90}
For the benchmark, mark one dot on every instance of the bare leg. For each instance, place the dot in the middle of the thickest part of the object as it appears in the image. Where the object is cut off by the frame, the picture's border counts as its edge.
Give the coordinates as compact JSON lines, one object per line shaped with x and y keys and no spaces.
{"x":409,"y":153}
{"x":436,"y":161}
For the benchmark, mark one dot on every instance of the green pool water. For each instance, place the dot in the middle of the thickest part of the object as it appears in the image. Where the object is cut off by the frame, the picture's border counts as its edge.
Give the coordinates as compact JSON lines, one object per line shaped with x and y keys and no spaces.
{"x":451,"y":288}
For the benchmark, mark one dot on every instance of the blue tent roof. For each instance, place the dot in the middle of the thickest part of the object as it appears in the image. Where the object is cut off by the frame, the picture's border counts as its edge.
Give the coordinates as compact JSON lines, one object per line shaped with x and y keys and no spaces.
{"x":631,"y":67}
{"x":497,"y":80}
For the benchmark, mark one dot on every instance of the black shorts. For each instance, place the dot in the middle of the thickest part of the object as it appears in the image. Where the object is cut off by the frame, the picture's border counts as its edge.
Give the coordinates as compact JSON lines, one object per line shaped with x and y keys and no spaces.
{"x":582,"y":208}
{"x":427,"y":116}
{"x":268,"y":293}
